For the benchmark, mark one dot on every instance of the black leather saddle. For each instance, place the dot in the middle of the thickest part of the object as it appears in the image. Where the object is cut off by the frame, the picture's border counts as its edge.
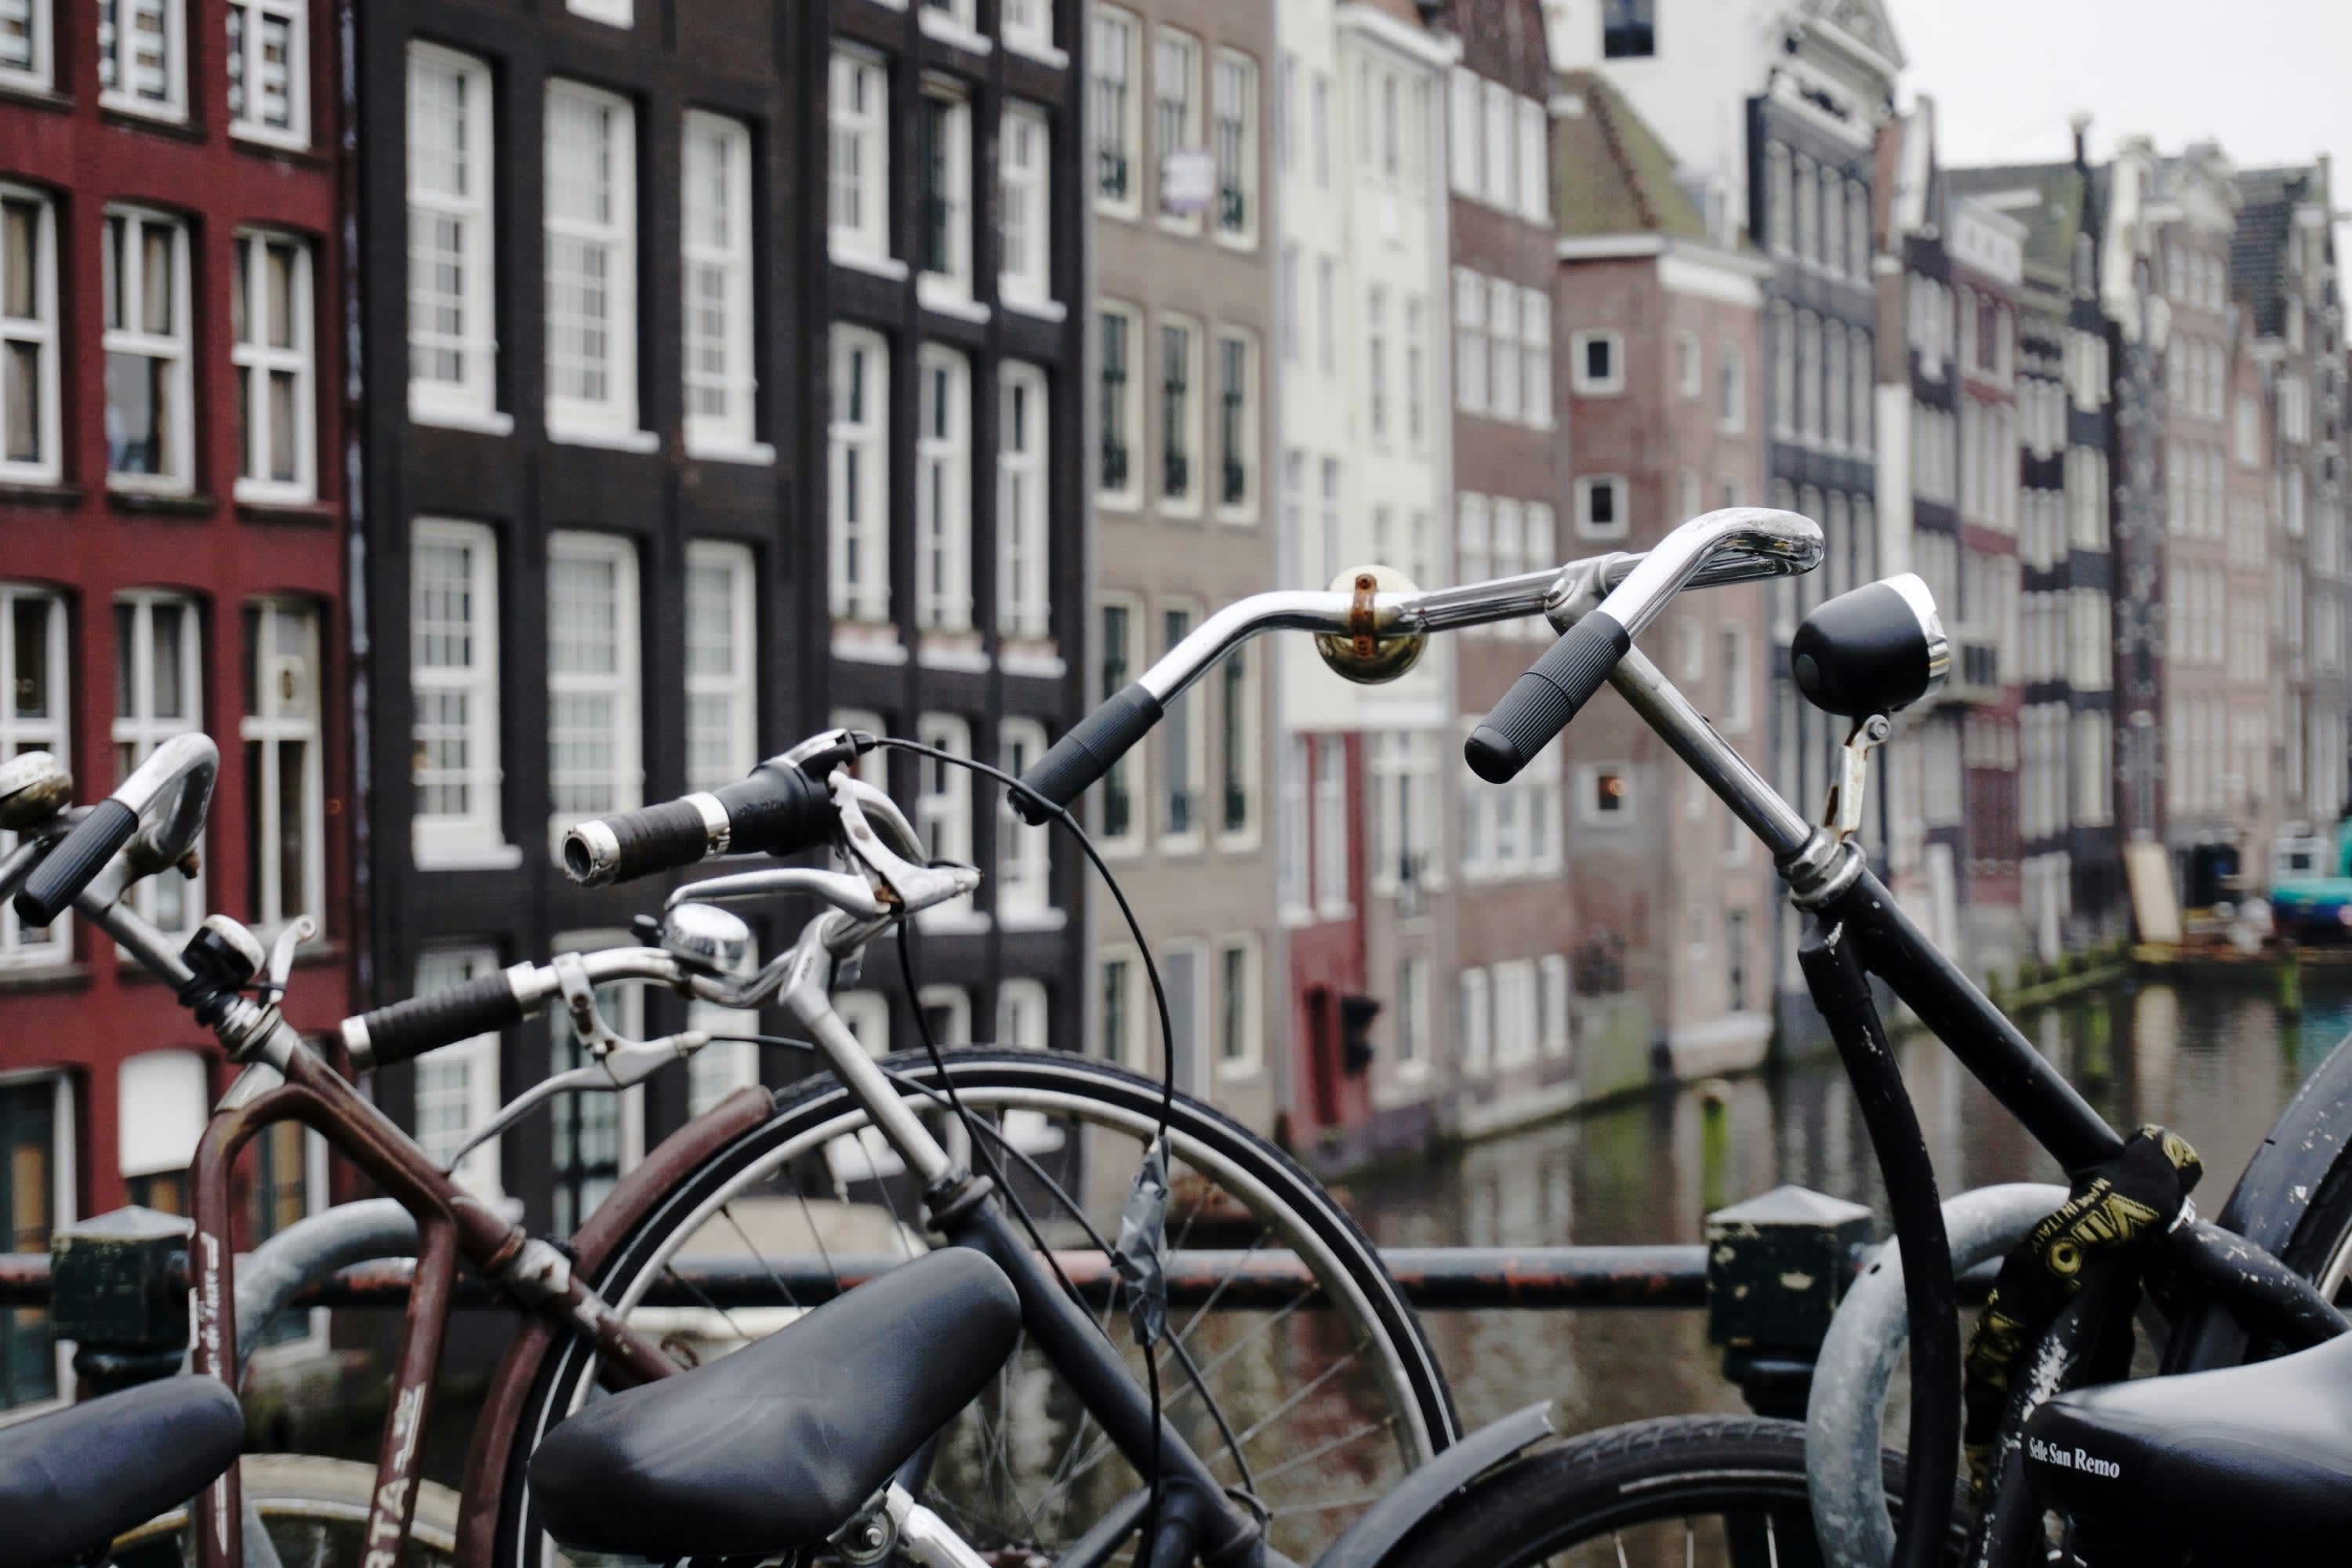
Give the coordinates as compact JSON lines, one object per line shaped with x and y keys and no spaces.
{"x":779,"y":1445}
{"x":73,"y":1482}
{"x":2249,"y":1464}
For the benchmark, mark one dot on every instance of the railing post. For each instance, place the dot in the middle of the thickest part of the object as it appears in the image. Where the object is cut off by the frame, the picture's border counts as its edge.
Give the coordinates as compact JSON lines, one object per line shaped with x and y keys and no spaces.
{"x":119,"y":1290}
{"x":1776,"y":1267}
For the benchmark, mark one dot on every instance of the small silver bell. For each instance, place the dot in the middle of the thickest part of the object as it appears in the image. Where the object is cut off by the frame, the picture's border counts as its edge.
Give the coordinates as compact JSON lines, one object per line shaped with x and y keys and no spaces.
{"x":706,"y":937}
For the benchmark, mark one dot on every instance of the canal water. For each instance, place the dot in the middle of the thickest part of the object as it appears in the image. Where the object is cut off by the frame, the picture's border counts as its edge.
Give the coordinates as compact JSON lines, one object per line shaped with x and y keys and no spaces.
{"x":2216,"y":1065}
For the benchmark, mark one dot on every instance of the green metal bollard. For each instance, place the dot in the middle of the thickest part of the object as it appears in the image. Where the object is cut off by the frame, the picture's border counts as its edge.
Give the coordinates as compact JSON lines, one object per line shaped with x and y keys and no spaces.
{"x":1714,"y":1143}
{"x":1775,"y":1269}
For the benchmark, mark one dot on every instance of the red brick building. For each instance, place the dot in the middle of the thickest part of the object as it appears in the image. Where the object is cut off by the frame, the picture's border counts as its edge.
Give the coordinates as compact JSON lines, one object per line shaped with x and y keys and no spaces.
{"x":170,"y":551}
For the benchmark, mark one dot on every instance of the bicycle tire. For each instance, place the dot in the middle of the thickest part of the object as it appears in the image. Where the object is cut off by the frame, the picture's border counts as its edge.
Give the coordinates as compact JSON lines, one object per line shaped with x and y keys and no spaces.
{"x":1746,"y":1473}
{"x":316,"y":1510}
{"x":813,"y":1115}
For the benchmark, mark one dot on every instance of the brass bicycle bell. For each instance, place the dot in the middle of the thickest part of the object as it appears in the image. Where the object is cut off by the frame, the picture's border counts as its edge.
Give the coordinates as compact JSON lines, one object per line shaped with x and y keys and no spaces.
{"x":1362,"y":655}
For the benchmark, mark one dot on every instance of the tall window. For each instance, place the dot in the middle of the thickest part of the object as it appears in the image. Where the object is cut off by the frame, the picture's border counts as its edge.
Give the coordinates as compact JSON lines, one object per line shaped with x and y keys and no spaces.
{"x":1185,"y":761}
{"x":285,"y":795}
{"x":24,"y":43}
{"x":1241,"y":1015}
{"x":943,"y":201}
{"x":458,"y":1086}
{"x":1376,"y":358}
{"x":592,"y":711}
{"x":1176,"y":112}
{"x":943,"y":492}
{"x":29,"y":335}
{"x":1027,"y":25}
{"x":1504,"y":384}
{"x":1118,"y":629}
{"x":452,"y":342}
{"x":591,"y":263}
{"x":143,"y":57}
{"x":1024,"y":882}
{"x":1116,"y":42}
{"x":1026,"y":206}
{"x":269,"y":69}
{"x":36,"y":1116}
{"x":1332,"y":892}
{"x":858,"y":104}
{"x":722,"y":709}
{"x":1534,"y":336}
{"x":1416,"y":370}
{"x":1469,"y":340}
{"x":454,"y":665}
{"x":1180,"y":416}
{"x":1023,"y":590}
{"x":1238,"y":711}
{"x":1236,"y":423}
{"x":720,"y":379}
{"x":943,"y":801}
{"x":1233,"y":136}
{"x":1118,"y":409}
{"x":858,"y":485}
{"x":150,"y":428}
{"x":276,"y":391}
{"x":35,"y":698}
{"x":1535,"y":163}
{"x":158,"y":693}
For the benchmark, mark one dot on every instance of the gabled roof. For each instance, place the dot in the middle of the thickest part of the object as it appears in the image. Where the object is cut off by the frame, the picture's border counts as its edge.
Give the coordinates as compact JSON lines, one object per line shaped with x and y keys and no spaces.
{"x":2051,"y":206}
{"x":1611,"y":173}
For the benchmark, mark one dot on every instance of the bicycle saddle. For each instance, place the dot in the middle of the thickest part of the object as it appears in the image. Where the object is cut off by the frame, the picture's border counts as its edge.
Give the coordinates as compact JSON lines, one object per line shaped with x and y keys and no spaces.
{"x":73,"y":1482}
{"x":2249,"y":1464}
{"x":779,"y":1445}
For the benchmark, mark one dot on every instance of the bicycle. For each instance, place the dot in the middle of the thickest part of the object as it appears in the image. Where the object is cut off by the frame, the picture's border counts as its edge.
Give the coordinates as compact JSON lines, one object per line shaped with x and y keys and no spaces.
{"x":884,"y":1146}
{"x":2260,"y":1280}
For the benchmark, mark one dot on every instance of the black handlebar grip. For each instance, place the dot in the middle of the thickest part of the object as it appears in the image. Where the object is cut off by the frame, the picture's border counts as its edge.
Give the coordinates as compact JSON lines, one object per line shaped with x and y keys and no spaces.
{"x":777,"y":809}
{"x":650,"y":839}
{"x":1086,"y":751}
{"x":1539,"y":703}
{"x":406,"y":1030}
{"x":67,"y":869}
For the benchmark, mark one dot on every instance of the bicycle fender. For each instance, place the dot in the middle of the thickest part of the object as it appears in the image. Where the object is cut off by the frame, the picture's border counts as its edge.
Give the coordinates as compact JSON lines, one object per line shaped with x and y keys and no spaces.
{"x":2269,"y":1200}
{"x":1380,"y":1528}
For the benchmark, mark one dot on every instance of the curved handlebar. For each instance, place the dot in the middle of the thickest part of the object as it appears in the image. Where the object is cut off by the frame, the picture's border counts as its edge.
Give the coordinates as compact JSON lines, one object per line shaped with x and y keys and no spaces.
{"x":405,"y":1030}
{"x":185,"y":766}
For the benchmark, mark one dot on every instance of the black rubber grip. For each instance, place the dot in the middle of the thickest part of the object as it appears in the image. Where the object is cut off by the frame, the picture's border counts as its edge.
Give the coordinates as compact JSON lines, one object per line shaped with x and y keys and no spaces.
{"x":82,"y":854}
{"x":408,"y":1029}
{"x":1539,"y":703}
{"x":777,"y":809}
{"x":1087,"y":749}
{"x":652,"y":838}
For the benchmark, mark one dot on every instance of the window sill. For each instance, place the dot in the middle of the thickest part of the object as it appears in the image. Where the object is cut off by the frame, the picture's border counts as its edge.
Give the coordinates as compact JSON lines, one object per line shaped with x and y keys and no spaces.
{"x":1240,"y":843}
{"x":944,"y":296}
{"x":29,"y":94}
{"x":1034,"y":919}
{"x":1238,"y":516}
{"x":1043,"y":54}
{"x":42,"y":976}
{"x":942,"y":28}
{"x":643,"y":442}
{"x":867,"y":642}
{"x":40,"y":492}
{"x":252,"y":493}
{"x":1125,"y":212}
{"x":271,"y":144}
{"x":308,"y":513}
{"x":755,"y":454}
{"x":1051,"y":311}
{"x":957,"y":650}
{"x":1044,"y":664}
{"x":952,"y":921}
{"x":1184,"y":846}
{"x":1241,"y":1072}
{"x":478,"y":421}
{"x":1245,"y":243}
{"x":1340,"y":912}
{"x":888,"y":267}
{"x":164,"y":119}
{"x":160,"y":502}
{"x":468,"y":857}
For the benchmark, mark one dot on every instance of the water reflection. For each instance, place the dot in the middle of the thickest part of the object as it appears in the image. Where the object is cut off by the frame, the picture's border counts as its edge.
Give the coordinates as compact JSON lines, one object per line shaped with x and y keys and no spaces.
{"x":2214,"y":1064}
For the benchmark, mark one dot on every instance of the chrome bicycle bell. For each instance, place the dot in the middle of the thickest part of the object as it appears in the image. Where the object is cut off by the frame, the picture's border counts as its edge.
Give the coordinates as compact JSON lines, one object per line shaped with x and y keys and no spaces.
{"x":1361,"y":654}
{"x":706,"y":937}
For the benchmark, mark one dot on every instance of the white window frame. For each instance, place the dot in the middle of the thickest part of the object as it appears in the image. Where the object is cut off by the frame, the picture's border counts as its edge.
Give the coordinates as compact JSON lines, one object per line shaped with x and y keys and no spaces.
{"x":143,"y":728}
{"x":858,"y":161}
{"x":728,"y":683}
{"x":1188,"y":111}
{"x":1555,"y":1005}
{"x":36,"y":72}
{"x":1690,"y":364}
{"x":715,"y":244}
{"x":1232,"y":78}
{"x":1138,"y":362}
{"x":943,"y":491}
{"x":1120,"y":1039}
{"x":1589,"y":386}
{"x":1183,"y":746}
{"x":1129,"y":774}
{"x":118,"y":48}
{"x":1025,"y":888}
{"x":1025,"y":170}
{"x":263,"y":361}
{"x":611,"y":12}
{"x":1502,"y":146}
{"x":49,"y":732}
{"x":610,"y":419}
{"x":858,"y":476}
{"x":1244,"y":510}
{"x":1535,"y":162}
{"x":1333,"y":808}
{"x":471,"y":400}
{"x":1024,"y":504}
{"x":283,"y":718}
{"x":1469,"y":341}
{"x":35,"y":334}
{"x":253,"y":67}
{"x":942,"y":814}
{"x":124,"y":262}
{"x":719,"y":1069}
{"x":1586,"y":528}
{"x":1188,"y":502}
{"x":1027,"y":28}
{"x":948,"y":289}
{"x":474,"y":1062}
{"x":1023,"y":1016}
{"x":1738,"y":706}
{"x":476,"y":836}
{"x":622,"y":686}
{"x":1535,"y":357}
{"x":1505,"y":380}
{"x":1244,"y":763}
{"x":1477,"y":1023}
{"x":1463,"y":139}
{"x":1243,"y":1022}
{"x":1118,"y":36}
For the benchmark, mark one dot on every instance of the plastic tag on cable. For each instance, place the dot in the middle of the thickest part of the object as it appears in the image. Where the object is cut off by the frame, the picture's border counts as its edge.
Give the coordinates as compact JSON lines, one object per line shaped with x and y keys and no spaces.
{"x":1141,"y":1254}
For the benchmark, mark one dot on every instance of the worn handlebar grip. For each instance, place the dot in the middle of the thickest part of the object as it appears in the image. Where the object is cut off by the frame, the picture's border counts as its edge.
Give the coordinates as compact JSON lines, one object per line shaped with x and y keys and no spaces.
{"x":67,"y":869}
{"x":1086,"y":751}
{"x":1540,"y":703}
{"x":405,"y":1030}
{"x":777,"y":809}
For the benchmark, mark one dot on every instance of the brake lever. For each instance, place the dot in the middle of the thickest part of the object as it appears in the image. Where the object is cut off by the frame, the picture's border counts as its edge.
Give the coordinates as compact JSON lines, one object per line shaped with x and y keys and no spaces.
{"x":625,"y":1067}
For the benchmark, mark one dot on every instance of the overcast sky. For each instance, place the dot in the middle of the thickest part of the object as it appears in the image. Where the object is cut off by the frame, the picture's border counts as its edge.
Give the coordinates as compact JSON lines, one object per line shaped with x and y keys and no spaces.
{"x":2270,"y":79}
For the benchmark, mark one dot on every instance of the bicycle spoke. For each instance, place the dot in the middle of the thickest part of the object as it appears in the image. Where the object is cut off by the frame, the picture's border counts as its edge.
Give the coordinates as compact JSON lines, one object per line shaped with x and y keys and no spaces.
{"x":1288,"y":1406}
{"x":727,"y":1213}
{"x":1333,"y":1446}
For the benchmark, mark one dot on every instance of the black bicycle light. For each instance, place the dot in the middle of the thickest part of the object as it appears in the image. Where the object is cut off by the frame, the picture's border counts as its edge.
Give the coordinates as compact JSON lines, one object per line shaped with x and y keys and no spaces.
{"x":1878,"y":649}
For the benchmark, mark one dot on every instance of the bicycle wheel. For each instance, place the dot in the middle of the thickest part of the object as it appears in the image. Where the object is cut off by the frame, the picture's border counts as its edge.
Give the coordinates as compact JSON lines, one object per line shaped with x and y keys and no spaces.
{"x":1314,"y":1403}
{"x":316,"y":1513}
{"x":1681,"y":1491}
